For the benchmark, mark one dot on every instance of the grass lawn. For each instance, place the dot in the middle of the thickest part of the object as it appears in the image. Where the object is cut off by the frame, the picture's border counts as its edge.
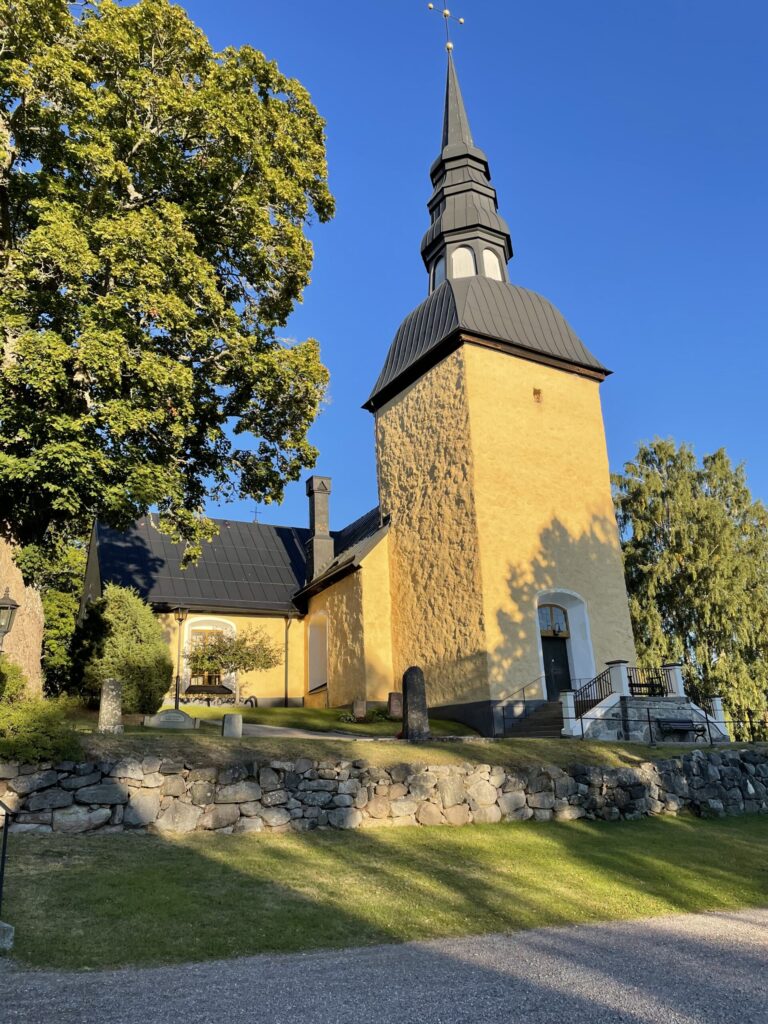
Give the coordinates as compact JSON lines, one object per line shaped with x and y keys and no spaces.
{"x":320,"y":720}
{"x":206,"y":746}
{"x":104,"y":901}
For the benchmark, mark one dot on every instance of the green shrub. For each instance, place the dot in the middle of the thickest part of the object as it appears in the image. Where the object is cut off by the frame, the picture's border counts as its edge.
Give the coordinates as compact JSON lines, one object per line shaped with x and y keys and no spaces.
{"x":13,"y":682}
{"x":31,"y":728}
{"x":123,"y":640}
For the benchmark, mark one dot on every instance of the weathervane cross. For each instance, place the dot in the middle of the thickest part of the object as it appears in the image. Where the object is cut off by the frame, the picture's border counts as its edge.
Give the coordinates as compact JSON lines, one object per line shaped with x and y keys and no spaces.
{"x":448,"y":18}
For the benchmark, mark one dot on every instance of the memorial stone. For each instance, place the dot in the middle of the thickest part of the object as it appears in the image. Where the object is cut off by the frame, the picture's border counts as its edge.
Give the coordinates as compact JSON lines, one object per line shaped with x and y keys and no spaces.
{"x":415,"y":715}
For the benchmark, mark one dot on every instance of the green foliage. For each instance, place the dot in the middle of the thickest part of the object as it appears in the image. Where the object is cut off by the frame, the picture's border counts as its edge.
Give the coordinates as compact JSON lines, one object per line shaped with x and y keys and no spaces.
{"x":121,"y":639}
{"x":154,"y":196}
{"x":13,"y":682}
{"x":249,"y":651}
{"x":57,"y":571}
{"x":696,"y":560}
{"x":31,"y":729}
{"x":36,"y":729}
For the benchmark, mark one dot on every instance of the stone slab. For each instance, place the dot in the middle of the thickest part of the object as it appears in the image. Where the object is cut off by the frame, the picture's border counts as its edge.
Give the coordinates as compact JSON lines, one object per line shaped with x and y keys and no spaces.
{"x":171,"y":720}
{"x":232,"y":727}
{"x":7,"y":932}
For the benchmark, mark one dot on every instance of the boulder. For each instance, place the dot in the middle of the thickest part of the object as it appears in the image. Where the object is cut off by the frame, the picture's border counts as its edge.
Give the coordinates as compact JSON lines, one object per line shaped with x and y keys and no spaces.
{"x":178,"y":818}
{"x":429,"y":814}
{"x":78,"y":781}
{"x":249,"y":825}
{"x":237,"y":793}
{"x":275,"y":816}
{"x":269,"y":779}
{"x":48,"y":799}
{"x":486,"y":815}
{"x":8,"y":770}
{"x":219,"y":816}
{"x":378,"y":807}
{"x":345,"y":817}
{"x":103,"y":793}
{"x":403,"y":807}
{"x":174,"y":785}
{"x":142,"y":809}
{"x":26,"y":784}
{"x":511,"y":802}
{"x":481,"y":794}
{"x":80,"y":819}
{"x":451,"y":791}
{"x":202,"y":793}
{"x":152,"y":780}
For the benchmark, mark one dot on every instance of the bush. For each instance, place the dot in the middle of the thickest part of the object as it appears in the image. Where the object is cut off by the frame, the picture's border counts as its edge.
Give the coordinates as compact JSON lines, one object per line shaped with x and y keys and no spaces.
{"x":13,"y":682}
{"x":123,"y":640}
{"x":35,"y":729}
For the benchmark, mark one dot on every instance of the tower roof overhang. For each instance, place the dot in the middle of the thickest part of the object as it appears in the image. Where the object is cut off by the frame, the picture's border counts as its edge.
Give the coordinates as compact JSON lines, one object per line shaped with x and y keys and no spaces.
{"x":481,"y":311}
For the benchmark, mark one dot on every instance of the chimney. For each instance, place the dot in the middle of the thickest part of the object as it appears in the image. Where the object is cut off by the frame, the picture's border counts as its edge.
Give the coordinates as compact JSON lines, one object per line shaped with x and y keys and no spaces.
{"x":320,"y":543}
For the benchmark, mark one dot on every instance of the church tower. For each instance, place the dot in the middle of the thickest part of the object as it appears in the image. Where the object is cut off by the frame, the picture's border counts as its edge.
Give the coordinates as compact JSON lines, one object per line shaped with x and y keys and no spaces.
{"x":505,"y":564}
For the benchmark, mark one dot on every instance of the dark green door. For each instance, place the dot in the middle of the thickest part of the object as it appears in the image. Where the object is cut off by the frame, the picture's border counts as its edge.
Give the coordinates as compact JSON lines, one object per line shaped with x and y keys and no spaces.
{"x":556,"y":671}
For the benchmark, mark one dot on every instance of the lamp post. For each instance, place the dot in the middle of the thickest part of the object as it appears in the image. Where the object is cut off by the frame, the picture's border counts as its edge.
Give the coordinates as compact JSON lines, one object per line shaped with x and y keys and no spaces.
{"x":180,"y":615}
{"x":8,"y":609}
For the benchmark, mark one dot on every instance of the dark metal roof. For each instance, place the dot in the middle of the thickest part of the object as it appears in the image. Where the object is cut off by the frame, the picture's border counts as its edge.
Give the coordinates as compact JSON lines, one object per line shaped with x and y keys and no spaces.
{"x":247,"y":567}
{"x":488,"y":309}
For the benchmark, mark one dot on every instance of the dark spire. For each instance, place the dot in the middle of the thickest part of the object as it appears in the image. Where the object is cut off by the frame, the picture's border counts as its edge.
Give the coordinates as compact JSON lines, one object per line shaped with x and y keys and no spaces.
{"x":456,"y":130}
{"x":463,"y":204}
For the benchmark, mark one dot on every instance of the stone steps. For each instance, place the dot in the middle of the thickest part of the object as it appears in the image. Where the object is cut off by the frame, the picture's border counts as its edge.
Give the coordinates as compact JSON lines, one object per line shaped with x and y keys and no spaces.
{"x":544,"y":723}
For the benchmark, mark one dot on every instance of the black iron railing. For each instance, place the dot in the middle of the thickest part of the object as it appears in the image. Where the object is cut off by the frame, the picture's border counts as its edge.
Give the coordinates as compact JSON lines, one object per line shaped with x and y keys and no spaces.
{"x":648,"y":682}
{"x":591,"y":694}
{"x":521,"y":703}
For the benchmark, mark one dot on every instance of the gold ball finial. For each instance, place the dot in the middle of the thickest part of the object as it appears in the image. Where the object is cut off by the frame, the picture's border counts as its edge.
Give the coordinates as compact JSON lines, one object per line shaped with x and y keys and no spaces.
{"x":446,"y":13}
{"x":461,"y":21}
{"x":449,"y":46}
{"x":430,"y":7}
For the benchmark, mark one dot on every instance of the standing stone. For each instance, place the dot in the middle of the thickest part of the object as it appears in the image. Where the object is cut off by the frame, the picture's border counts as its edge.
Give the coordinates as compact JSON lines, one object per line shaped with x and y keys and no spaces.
{"x":415,"y":716}
{"x":111,"y":707}
{"x":232,"y":727}
{"x":395,"y":706}
{"x":359,"y":710}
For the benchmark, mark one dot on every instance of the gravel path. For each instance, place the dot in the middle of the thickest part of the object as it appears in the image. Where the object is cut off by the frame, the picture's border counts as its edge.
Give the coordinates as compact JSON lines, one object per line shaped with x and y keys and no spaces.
{"x":684,"y":969}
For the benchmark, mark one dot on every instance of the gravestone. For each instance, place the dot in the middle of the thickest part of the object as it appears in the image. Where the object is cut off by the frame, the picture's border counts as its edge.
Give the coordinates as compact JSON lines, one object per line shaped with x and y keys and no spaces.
{"x":415,"y":715}
{"x":395,"y":705}
{"x":111,"y":707}
{"x":232,"y":726}
{"x":171,"y":720}
{"x":6,"y":937}
{"x":359,"y":710}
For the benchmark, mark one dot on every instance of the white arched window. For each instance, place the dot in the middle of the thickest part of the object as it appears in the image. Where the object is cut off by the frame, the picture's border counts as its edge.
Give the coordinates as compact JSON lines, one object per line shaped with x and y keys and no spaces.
{"x":463,"y":262}
{"x":492,"y":265}
{"x":317,"y":652}
{"x":438,"y":273}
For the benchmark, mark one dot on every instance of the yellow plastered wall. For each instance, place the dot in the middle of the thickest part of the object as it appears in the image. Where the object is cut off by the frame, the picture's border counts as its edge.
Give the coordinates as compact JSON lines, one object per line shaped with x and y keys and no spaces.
{"x":425,"y":468}
{"x":544,"y":509}
{"x":267,"y":684}
{"x":377,"y":622}
{"x":342,"y":604}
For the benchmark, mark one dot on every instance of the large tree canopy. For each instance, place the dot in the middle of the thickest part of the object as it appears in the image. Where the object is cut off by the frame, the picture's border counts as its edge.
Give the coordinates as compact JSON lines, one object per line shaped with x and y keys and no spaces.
{"x":696,"y":559}
{"x":154,"y":197}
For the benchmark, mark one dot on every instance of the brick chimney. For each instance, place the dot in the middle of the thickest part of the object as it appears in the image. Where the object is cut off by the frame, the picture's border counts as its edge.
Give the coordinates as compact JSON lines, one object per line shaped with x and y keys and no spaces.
{"x":320,"y":543}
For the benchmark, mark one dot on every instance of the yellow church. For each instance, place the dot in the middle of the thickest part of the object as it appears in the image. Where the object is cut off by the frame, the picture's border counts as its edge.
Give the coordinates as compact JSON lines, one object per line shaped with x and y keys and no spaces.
{"x":492,"y":560}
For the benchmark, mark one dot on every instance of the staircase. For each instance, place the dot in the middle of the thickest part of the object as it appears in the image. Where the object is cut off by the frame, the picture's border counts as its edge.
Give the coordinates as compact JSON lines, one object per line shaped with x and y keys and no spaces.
{"x":545,"y":723}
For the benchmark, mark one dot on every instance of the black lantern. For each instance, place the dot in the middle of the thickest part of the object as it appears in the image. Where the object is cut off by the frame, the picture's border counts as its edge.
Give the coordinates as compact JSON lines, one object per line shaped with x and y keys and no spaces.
{"x":180,"y":614}
{"x":8,"y":609}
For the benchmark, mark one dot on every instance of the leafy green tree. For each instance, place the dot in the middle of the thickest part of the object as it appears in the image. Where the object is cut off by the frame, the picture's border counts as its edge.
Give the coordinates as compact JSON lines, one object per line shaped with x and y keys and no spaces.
{"x":154,"y":196}
{"x":57,"y":571}
{"x":249,"y":651}
{"x":696,"y":561}
{"x":121,"y":639}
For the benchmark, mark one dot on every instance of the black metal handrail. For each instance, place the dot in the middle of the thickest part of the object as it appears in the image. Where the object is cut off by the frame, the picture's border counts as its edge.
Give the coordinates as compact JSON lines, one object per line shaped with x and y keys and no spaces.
{"x":591,"y":694}
{"x":518,"y":705}
{"x":648,"y":682}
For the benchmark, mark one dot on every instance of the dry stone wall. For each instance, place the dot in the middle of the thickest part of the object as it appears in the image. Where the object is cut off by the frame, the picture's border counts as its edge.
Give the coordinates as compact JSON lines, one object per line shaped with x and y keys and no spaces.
{"x":171,"y":797}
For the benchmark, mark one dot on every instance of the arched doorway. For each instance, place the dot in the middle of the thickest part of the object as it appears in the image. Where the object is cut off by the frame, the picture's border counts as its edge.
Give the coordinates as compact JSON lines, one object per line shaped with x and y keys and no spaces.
{"x":566,"y":643}
{"x":553,"y":627}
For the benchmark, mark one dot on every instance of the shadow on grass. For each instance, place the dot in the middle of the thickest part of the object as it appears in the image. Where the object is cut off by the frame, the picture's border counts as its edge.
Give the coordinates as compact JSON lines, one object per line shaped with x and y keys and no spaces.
{"x":105,"y":901}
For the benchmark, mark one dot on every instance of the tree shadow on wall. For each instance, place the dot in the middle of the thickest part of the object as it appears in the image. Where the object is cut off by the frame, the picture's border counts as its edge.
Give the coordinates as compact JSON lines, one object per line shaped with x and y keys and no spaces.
{"x":564,"y":562}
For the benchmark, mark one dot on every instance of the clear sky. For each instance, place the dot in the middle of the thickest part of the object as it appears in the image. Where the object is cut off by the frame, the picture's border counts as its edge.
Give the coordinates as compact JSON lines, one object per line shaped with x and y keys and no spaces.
{"x":628,"y":143}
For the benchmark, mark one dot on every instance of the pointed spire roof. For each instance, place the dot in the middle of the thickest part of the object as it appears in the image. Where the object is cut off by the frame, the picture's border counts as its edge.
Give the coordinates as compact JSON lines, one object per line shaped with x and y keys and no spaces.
{"x":456,"y":130}
{"x":463,"y":206}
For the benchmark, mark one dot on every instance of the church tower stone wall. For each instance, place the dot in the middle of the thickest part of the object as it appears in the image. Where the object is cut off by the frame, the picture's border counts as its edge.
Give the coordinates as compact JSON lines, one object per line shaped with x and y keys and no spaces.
{"x":426,"y":485}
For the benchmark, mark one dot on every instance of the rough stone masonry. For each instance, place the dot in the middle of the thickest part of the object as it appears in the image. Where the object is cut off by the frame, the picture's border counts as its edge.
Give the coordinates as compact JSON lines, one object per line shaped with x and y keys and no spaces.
{"x":166,"y":796}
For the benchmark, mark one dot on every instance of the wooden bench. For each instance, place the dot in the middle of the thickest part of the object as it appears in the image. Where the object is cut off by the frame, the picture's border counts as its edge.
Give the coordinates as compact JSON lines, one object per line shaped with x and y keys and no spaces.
{"x":668,"y":725}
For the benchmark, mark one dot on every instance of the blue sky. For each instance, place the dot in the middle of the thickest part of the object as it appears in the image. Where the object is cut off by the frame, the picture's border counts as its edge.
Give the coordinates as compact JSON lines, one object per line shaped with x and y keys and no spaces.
{"x":629,"y":147}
